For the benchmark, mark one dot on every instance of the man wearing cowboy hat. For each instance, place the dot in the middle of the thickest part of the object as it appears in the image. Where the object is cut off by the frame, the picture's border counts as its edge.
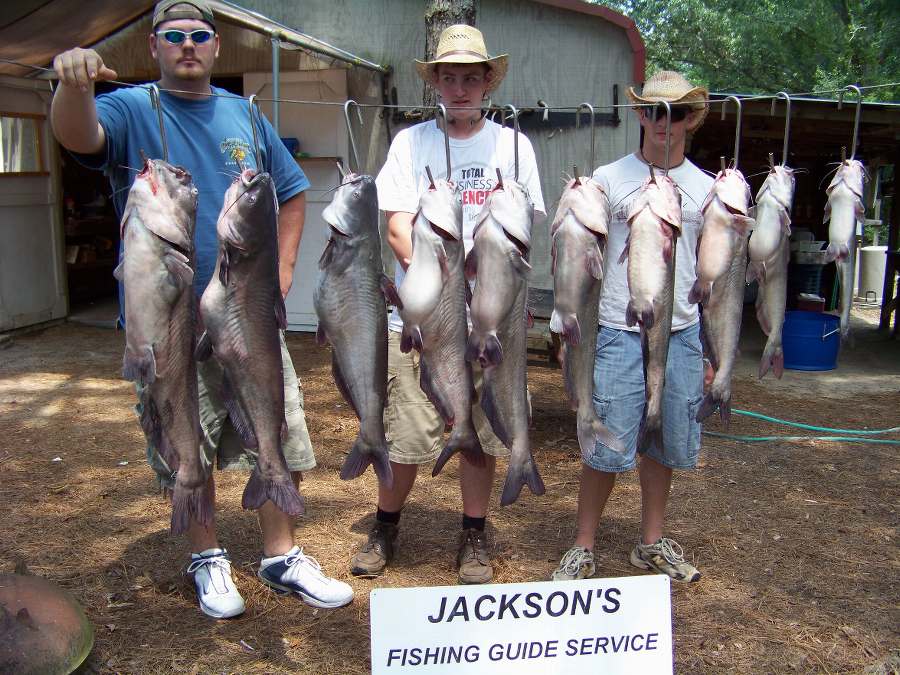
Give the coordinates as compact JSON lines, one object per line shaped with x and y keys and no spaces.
{"x":618,"y":370}
{"x":209,"y":134}
{"x":463,"y":75}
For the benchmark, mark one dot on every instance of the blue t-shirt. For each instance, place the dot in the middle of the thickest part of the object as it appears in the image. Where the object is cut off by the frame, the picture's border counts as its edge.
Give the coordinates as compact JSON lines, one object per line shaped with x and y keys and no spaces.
{"x":207,"y":137}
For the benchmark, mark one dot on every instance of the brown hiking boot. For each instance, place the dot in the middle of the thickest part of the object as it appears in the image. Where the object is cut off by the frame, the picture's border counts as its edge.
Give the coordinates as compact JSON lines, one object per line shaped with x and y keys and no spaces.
{"x":376,"y":553}
{"x":473,"y":561}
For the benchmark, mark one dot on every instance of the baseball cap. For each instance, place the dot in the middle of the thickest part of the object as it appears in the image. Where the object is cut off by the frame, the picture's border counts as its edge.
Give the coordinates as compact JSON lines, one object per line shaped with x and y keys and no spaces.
{"x":183,"y":9}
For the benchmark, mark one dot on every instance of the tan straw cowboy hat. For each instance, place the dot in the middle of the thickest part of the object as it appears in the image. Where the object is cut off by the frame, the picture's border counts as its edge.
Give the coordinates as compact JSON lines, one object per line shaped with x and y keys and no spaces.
{"x":464,"y":44}
{"x":667,"y":85}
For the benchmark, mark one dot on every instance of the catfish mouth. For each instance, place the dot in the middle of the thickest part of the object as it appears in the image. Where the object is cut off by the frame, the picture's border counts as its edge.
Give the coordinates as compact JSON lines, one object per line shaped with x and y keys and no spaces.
{"x":250,"y":177}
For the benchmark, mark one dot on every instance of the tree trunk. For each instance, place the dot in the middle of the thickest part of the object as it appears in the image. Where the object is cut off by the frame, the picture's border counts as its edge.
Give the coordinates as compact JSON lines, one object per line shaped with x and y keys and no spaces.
{"x":439,"y":14}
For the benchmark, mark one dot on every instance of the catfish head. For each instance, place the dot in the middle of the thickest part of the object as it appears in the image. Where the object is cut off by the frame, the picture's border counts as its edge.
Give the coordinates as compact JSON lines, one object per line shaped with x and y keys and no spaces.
{"x":353,"y":212}
{"x":166,"y":198}
{"x":249,"y":216}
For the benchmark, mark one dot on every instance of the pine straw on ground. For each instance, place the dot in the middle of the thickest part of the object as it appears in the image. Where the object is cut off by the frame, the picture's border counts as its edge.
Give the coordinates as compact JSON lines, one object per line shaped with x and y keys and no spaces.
{"x":797,"y":542}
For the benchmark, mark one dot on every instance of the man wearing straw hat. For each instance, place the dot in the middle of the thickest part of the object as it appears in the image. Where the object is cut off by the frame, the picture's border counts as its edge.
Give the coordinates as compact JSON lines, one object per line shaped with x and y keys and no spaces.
{"x":209,"y":134}
{"x":618,"y":373}
{"x":463,"y":75}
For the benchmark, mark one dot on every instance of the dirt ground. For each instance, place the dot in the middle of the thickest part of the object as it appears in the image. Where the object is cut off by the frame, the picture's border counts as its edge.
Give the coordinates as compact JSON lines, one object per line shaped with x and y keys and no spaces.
{"x":797,"y":541}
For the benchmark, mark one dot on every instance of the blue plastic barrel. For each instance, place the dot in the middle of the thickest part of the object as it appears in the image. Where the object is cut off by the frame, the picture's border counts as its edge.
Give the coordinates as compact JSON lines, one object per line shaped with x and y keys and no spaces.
{"x":811,"y":340}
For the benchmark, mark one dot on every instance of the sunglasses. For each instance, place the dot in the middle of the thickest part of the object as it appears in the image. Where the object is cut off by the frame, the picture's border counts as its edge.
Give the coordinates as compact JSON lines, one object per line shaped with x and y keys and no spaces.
{"x":176,"y":37}
{"x":659,"y":113}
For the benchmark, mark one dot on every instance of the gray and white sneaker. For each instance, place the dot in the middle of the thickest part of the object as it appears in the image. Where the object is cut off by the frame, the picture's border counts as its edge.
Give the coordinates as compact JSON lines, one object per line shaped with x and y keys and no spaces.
{"x":301,"y":574}
{"x":665,"y":556}
{"x":577,"y":563}
{"x":216,"y":592}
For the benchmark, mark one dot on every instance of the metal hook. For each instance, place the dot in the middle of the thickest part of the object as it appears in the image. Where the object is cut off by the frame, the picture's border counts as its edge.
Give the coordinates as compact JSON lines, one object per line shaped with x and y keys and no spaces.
{"x":787,"y":122}
{"x":515,"y":114}
{"x":853,"y":88}
{"x":442,"y":109}
{"x":578,"y":124}
{"x":668,"y":107}
{"x":350,"y":130}
{"x":157,"y":105}
{"x":737,"y":126}
{"x":253,"y":103}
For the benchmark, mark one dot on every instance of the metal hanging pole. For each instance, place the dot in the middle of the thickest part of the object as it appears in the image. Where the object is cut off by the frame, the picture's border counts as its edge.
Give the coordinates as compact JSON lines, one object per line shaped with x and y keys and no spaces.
{"x":737,"y":126}
{"x":591,"y":165}
{"x":442,"y":111}
{"x":353,"y":150}
{"x":856,"y":90}
{"x":157,"y":105}
{"x":787,"y":122}
{"x":515,"y":114}
{"x":253,"y":103}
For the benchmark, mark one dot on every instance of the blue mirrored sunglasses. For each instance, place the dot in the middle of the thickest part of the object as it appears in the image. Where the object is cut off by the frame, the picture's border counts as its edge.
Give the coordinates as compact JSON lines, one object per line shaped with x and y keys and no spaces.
{"x":176,"y":37}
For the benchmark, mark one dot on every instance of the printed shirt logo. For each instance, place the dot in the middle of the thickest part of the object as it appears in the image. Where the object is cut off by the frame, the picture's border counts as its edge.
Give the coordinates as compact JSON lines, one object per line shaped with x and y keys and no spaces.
{"x":473,"y":186}
{"x":236,"y":151}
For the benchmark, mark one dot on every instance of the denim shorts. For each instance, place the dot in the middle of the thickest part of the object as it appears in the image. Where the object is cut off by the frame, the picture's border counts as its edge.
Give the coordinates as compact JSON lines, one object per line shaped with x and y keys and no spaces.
{"x":619,"y":399}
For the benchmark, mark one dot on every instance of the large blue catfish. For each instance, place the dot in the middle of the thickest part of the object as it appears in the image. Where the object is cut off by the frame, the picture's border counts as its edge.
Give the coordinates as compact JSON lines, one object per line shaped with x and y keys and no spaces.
{"x":350,"y":302}
{"x":157,"y":271}
{"x":243,"y":311}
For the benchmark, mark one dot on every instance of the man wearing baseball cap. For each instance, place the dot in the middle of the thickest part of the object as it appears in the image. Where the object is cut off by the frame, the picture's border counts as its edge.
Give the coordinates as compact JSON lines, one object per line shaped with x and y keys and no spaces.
{"x":618,"y":370}
{"x":209,"y":133}
{"x":463,"y":74}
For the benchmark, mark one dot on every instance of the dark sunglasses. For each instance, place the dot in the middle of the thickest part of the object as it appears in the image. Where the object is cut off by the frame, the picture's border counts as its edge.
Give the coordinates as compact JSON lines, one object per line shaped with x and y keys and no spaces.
{"x":659,"y":113}
{"x":176,"y":37}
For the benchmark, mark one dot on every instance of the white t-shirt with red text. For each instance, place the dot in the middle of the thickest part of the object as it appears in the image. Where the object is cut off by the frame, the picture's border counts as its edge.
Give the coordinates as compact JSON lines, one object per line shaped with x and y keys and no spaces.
{"x":473,"y":163}
{"x":622,"y":180}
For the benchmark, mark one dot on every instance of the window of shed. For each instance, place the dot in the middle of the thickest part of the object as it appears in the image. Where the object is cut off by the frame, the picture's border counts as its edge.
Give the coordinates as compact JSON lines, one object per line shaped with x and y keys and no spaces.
{"x":20,"y":144}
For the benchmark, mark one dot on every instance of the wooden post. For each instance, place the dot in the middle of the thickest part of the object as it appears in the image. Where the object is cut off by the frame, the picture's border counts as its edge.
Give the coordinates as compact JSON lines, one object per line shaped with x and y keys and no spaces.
{"x":439,"y":14}
{"x":892,"y":259}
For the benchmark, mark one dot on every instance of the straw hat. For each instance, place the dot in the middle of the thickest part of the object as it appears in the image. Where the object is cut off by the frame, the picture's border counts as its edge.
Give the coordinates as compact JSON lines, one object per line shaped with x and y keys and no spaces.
{"x":667,"y":85}
{"x":463,"y":44}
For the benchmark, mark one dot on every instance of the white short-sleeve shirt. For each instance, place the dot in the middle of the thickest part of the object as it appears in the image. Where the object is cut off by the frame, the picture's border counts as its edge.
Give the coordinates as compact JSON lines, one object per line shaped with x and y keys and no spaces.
{"x":474,"y":163}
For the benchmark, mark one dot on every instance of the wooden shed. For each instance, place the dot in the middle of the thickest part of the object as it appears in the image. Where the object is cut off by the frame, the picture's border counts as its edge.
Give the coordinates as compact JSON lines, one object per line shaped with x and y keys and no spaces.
{"x":562,"y":52}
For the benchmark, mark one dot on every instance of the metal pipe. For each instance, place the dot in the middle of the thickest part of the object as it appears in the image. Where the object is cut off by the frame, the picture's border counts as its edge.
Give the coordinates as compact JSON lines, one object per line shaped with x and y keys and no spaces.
{"x":276,"y":84}
{"x":737,"y":126}
{"x":515,"y":113}
{"x":591,"y":165}
{"x":262,"y":24}
{"x":355,"y":167}
{"x":155,"y":102}
{"x":787,"y":122}
{"x":442,"y":110}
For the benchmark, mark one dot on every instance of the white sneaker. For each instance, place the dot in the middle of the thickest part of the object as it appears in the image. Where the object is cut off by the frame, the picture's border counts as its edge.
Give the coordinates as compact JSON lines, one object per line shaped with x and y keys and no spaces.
{"x":294,"y":572}
{"x":216,"y":592}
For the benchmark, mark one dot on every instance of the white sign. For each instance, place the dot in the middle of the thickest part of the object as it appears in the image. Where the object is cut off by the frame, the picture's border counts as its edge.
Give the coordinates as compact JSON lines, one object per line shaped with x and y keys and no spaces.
{"x":621,"y":625}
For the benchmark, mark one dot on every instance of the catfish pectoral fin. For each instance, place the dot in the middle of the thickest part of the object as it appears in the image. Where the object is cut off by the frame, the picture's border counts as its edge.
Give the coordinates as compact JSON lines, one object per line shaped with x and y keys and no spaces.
{"x":282,"y":493}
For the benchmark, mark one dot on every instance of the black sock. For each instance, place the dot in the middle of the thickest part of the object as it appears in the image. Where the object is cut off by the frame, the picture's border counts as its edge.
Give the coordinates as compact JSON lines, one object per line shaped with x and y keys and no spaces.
{"x":392,"y":517}
{"x":470,"y":523}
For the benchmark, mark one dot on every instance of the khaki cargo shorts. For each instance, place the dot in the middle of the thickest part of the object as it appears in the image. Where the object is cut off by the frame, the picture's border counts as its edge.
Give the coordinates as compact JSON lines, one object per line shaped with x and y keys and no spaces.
{"x":414,"y":429}
{"x":220,"y":442}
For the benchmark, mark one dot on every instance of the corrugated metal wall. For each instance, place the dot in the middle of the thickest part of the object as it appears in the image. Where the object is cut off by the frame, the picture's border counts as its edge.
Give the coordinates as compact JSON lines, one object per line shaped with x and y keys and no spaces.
{"x":559,"y":56}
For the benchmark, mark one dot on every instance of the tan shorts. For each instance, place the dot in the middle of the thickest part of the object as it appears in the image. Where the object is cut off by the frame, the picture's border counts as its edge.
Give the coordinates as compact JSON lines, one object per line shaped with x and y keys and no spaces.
{"x":220,"y":442}
{"x":414,"y":429}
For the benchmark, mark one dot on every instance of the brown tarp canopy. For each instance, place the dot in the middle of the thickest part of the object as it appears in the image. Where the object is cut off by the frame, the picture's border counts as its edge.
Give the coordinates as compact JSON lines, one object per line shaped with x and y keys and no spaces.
{"x":34,"y":31}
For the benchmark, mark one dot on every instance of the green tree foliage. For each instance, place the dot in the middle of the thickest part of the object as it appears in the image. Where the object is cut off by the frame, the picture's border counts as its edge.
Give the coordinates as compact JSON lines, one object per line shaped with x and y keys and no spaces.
{"x":769,"y":45}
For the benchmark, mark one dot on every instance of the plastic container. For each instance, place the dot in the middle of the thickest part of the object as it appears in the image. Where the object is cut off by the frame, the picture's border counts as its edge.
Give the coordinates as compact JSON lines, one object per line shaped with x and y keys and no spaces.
{"x":871,"y":272}
{"x":811,"y":340}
